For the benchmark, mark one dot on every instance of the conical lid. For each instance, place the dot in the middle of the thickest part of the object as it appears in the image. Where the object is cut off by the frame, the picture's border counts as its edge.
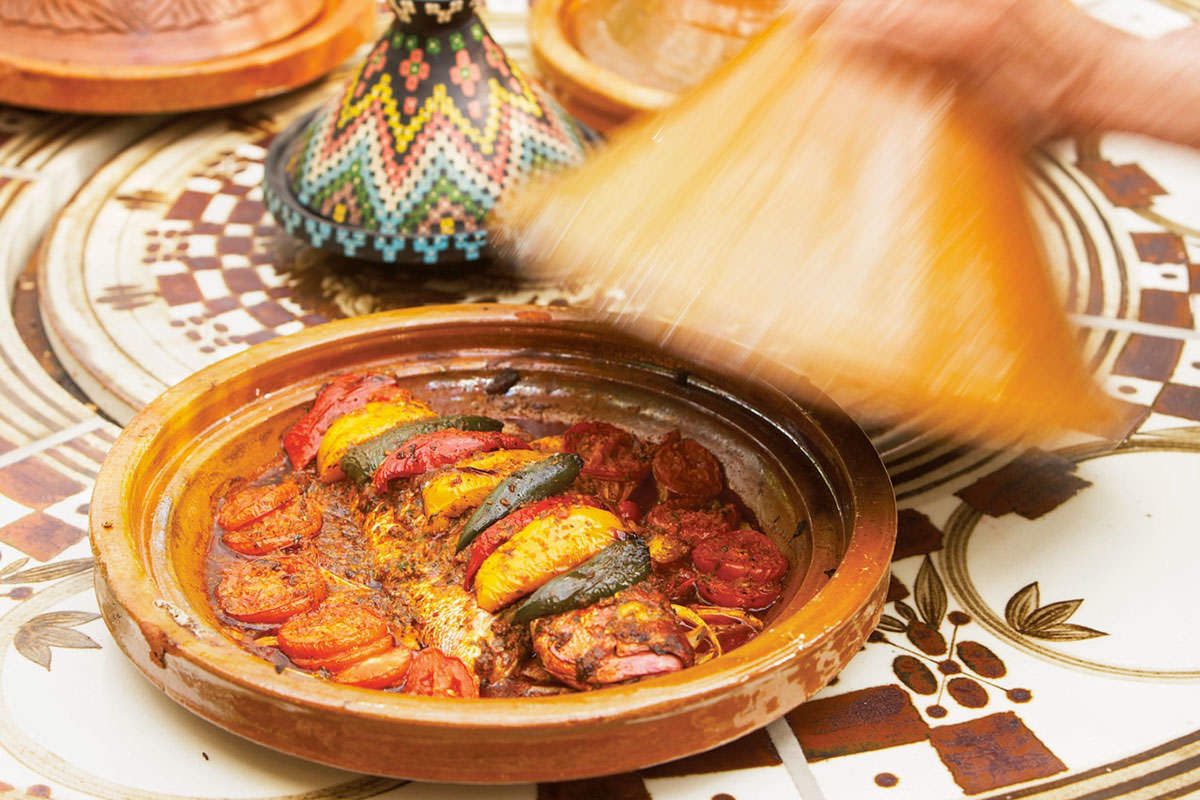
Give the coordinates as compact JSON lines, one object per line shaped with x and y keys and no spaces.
{"x":852,"y":221}
{"x":406,"y":162}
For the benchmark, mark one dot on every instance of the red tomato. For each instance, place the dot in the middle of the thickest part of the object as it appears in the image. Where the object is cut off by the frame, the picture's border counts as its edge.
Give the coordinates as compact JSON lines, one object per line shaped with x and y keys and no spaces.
{"x":435,"y":674}
{"x":731,"y":630}
{"x":270,"y":591}
{"x":683,"y":520}
{"x":285,"y":527}
{"x":679,"y":586}
{"x":609,"y":453}
{"x":254,"y":502}
{"x":346,"y":658}
{"x":744,"y":593}
{"x":740,"y":554}
{"x":343,"y":394}
{"x":684,"y":468}
{"x":429,"y":451}
{"x":378,"y":672}
{"x":331,"y":629}
{"x":500,"y":532}
{"x":629,"y":511}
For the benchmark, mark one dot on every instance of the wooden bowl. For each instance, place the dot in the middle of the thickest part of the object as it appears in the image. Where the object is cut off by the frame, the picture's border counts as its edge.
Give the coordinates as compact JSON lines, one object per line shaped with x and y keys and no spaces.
{"x":809,"y":473}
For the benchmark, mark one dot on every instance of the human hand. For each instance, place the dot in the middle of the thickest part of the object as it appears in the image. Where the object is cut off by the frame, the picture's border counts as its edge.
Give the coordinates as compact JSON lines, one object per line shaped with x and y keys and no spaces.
{"x":1039,"y":64}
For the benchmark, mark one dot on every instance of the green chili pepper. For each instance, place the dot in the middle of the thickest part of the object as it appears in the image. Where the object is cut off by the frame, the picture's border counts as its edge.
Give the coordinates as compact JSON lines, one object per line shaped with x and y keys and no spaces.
{"x":618,"y":566}
{"x":360,"y":461}
{"x":536,"y":482}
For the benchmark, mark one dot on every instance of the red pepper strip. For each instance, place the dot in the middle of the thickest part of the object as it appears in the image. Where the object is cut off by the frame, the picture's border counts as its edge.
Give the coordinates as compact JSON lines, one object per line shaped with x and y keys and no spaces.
{"x":505,"y":529}
{"x":343,"y":394}
{"x":429,"y":451}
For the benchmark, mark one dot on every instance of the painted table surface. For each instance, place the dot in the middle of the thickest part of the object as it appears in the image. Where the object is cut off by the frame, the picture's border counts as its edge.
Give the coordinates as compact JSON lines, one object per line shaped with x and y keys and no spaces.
{"x":1039,"y":640}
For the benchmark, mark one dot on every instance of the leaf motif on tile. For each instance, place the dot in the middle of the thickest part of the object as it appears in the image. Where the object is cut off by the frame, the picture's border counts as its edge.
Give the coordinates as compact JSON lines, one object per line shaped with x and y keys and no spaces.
{"x":46,"y":572}
{"x":54,"y":629}
{"x":891,"y":624}
{"x":905,"y":610}
{"x":1025,"y":614}
{"x":929,"y":593}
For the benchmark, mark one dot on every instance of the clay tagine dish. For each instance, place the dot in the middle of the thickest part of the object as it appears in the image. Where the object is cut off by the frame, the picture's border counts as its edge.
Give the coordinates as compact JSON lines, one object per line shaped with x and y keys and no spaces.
{"x":608,"y":60}
{"x":159,"y":56}
{"x":808,"y":474}
{"x":405,"y":163}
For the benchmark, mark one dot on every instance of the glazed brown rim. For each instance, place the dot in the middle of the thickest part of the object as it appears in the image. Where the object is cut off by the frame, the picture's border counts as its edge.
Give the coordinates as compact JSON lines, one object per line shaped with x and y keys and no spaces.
{"x":596,"y":84}
{"x":302,"y":57}
{"x":863,"y":569}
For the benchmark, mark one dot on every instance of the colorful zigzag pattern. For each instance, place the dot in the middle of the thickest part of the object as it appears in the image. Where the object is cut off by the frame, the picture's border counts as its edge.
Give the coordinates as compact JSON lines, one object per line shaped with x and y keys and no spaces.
{"x":428,"y":134}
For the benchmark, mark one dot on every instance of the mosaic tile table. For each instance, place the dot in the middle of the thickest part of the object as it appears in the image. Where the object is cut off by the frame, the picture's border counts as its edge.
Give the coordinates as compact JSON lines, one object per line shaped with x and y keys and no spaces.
{"x":1040,"y":639}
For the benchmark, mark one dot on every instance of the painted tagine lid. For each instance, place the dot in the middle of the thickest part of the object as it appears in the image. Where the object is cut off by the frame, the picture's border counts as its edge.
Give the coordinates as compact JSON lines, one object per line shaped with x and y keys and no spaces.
{"x":405,"y":163}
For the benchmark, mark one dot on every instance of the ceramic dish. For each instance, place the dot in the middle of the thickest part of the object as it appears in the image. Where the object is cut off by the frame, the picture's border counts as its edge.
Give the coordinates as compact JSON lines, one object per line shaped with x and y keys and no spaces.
{"x":808,"y":470}
{"x":608,"y":60}
{"x":299,"y":58}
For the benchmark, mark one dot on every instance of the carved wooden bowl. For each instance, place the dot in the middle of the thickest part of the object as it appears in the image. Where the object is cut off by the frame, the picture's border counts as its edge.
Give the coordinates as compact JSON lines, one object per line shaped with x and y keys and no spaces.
{"x":809,"y":473}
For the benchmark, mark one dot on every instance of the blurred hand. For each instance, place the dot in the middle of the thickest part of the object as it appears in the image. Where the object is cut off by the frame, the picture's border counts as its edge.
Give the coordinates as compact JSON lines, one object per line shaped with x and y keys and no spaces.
{"x":1037,"y":63}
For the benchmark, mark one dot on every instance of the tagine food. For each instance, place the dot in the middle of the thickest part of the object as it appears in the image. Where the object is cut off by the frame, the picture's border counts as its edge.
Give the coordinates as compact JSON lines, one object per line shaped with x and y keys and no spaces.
{"x":394,"y":548}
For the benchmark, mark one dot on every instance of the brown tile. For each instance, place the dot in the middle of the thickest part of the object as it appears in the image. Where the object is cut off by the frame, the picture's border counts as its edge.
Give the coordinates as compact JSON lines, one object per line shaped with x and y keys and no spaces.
{"x":1148,"y":357}
{"x":1165,"y":308}
{"x":189,"y":205}
{"x":1160,"y":248}
{"x":242,"y":279}
{"x":40,"y":536}
{"x":202,"y":262}
{"x":234,"y":245}
{"x":915,"y":535}
{"x":856,"y":722}
{"x":179,"y":288}
{"x":270,"y":314}
{"x":35,"y":484}
{"x":1035,"y":484}
{"x":991,"y":752}
{"x":752,"y":750}
{"x":248,"y":212}
{"x":1179,"y":401}
{"x":1125,"y":185}
{"x":616,"y":787}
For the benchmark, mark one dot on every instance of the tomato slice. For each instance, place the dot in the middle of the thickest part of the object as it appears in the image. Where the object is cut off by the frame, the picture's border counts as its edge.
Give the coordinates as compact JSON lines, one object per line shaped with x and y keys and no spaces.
{"x":609,"y":453}
{"x":629,"y":511}
{"x":679,"y":585}
{"x":684,"y":468}
{"x":346,"y":658}
{"x":270,"y":591}
{"x":255,"y":502}
{"x":378,"y":672}
{"x":430,"y":451}
{"x":499,"y":533}
{"x":435,"y":674}
{"x":289,"y":526}
{"x":343,"y":394}
{"x":331,"y":629}
{"x":684,"y":520}
{"x":740,"y":554}
{"x":744,"y":593}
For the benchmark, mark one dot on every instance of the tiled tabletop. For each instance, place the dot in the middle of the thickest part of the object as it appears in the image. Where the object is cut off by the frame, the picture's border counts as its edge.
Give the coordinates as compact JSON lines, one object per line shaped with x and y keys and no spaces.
{"x":1039,"y":640}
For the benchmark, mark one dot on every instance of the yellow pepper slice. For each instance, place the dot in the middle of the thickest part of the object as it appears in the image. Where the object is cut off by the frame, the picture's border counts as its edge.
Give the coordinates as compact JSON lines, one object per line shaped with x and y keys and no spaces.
{"x":549,"y":444}
{"x":544,"y":548}
{"x":358,"y":426}
{"x":464,"y":486}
